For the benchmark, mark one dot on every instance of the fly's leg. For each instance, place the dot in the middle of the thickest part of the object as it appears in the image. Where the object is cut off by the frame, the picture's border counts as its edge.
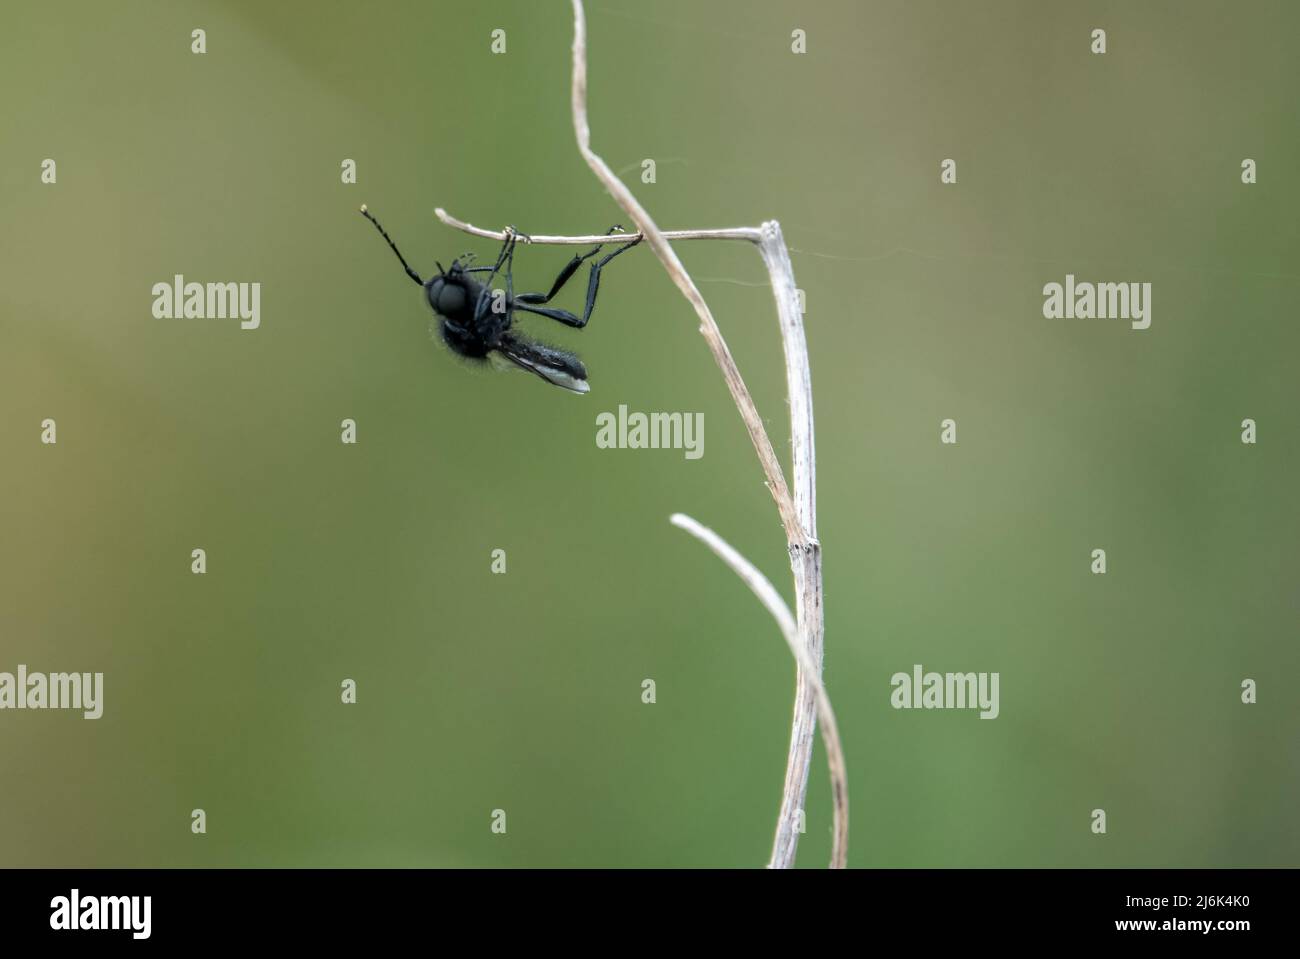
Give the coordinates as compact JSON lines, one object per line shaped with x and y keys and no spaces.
{"x":531,"y":302}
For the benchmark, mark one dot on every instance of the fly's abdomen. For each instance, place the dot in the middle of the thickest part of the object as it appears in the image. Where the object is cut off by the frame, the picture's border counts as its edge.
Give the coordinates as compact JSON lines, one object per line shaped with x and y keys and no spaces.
{"x":558,"y":367}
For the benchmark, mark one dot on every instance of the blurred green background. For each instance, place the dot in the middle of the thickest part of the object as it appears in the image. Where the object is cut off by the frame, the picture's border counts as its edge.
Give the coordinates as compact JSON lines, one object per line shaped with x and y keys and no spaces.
{"x":522,"y":691}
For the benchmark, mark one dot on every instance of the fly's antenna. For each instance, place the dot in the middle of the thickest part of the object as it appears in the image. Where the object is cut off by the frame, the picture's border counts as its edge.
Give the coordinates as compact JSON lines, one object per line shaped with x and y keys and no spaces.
{"x":409,"y":272}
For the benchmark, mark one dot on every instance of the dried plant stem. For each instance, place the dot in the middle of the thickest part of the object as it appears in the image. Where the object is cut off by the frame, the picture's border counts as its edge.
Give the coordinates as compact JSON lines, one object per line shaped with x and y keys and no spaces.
{"x":798,"y":511}
{"x":677,"y":273}
{"x":736,"y":233}
{"x":805,"y":553}
{"x":798,"y":518}
{"x":769,"y":597}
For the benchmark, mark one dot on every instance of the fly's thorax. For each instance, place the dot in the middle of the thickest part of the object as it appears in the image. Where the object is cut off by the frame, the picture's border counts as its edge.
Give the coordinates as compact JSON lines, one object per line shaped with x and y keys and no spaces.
{"x":463,"y":340}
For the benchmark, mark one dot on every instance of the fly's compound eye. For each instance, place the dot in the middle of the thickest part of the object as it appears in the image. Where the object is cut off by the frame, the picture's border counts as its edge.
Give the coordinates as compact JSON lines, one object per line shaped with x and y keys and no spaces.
{"x":447,"y":298}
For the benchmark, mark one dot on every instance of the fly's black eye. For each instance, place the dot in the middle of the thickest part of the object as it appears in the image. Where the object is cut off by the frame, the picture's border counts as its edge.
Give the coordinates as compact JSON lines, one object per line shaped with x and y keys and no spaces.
{"x":448,"y":298}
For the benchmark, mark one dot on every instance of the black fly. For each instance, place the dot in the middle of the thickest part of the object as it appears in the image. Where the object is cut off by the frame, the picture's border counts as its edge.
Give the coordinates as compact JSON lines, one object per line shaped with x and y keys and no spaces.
{"x":476,"y":320}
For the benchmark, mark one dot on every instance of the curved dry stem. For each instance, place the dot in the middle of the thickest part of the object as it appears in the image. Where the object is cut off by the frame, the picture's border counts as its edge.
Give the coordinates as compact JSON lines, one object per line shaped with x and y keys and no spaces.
{"x":762,"y":587}
{"x":799,"y":517}
{"x":798,"y":511}
{"x":656,"y":240}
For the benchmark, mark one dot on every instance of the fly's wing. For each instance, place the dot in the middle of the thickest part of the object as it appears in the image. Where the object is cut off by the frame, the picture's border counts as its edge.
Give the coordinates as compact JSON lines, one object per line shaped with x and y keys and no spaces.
{"x":558,"y":367}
